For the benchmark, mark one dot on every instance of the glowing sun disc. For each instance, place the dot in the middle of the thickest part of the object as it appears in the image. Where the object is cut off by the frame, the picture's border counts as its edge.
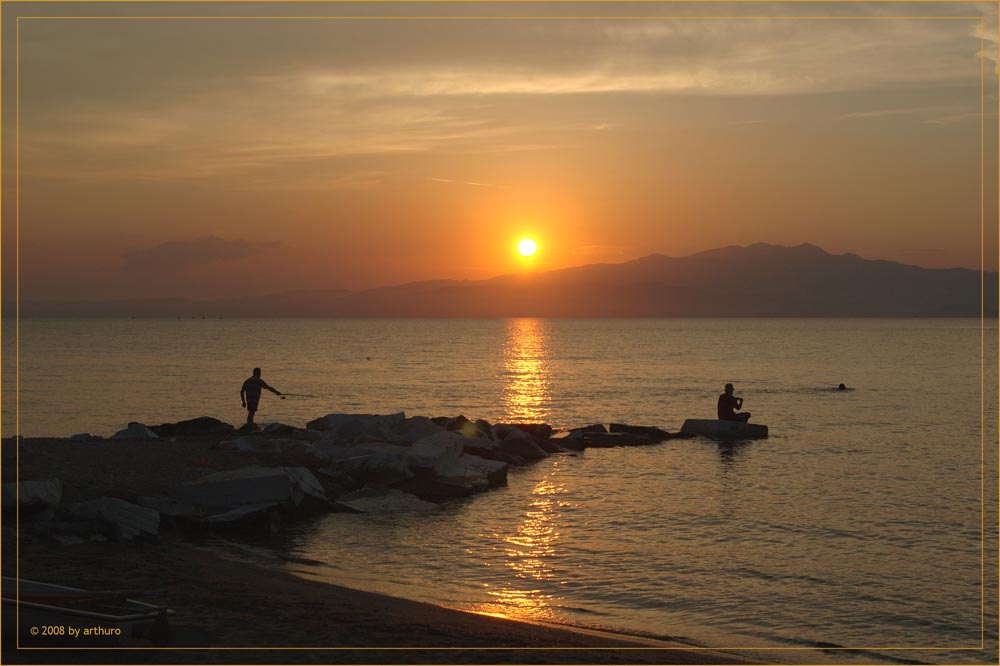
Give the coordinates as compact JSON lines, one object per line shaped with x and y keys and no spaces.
{"x":527,"y":247}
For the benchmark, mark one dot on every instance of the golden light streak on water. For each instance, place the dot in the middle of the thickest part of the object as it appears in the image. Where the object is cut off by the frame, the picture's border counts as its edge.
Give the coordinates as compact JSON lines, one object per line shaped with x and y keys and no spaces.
{"x":529,"y":553}
{"x":526,"y":387}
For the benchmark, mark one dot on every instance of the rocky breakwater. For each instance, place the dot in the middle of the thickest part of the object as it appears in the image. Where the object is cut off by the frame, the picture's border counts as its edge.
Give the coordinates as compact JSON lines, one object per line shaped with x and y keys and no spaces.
{"x":260,"y":479}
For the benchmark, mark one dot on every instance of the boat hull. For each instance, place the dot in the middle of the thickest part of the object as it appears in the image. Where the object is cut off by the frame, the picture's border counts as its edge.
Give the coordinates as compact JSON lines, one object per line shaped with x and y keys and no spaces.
{"x":41,"y":614}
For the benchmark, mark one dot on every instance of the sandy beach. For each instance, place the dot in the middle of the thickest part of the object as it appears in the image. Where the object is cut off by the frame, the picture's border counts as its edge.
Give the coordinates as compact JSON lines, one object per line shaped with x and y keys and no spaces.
{"x":247,"y":612}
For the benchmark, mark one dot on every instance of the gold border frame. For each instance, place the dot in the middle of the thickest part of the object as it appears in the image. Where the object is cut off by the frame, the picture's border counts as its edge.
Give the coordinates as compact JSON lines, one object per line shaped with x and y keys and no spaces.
{"x":982,"y":57}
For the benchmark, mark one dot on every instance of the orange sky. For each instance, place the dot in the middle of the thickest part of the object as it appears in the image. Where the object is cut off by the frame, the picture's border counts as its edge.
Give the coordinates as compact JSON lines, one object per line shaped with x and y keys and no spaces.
{"x":208,"y":158}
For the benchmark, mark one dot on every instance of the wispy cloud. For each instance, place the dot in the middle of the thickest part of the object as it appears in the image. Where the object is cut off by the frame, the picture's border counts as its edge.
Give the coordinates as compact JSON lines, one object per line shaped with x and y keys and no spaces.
{"x":882,"y":113}
{"x":408,"y":94}
{"x":463,"y":182}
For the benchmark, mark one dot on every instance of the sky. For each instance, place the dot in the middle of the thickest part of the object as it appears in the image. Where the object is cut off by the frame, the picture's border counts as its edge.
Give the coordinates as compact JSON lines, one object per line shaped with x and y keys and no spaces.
{"x":211,"y":157}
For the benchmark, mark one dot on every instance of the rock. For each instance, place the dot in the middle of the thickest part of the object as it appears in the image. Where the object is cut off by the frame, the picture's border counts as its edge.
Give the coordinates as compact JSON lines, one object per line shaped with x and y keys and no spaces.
{"x":129,"y":520}
{"x":248,"y":485}
{"x":384,"y":500}
{"x":304,"y":485}
{"x":339,"y":478}
{"x":536,"y":430}
{"x":608,"y":440}
{"x":33,"y":494}
{"x":467,"y":428}
{"x":203,"y":425}
{"x":375,"y":468}
{"x":494,"y":471}
{"x":414,"y":428}
{"x":726,"y":430}
{"x":436,"y":452}
{"x":457,"y":423}
{"x":81,"y":437}
{"x":653,"y":434}
{"x":278,"y":430}
{"x":249,"y":444}
{"x":301,"y":450}
{"x":318,"y":425}
{"x":576,"y":433}
{"x":68,"y":525}
{"x":478,"y":446}
{"x":468,"y":474}
{"x":490,"y":450}
{"x":549,"y":445}
{"x":170,"y":508}
{"x":241,"y":513}
{"x":522,"y":446}
{"x":307,"y":435}
{"x":485,"y":429}
{"x":135,"y":430}
{"x":67,"y":539}
{"x":354,"y":426}
{"x":248,"y":428}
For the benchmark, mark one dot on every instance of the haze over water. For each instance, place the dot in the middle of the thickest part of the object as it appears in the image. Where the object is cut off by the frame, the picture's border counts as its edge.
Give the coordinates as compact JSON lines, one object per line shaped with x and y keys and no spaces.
{"x":857,"y":523}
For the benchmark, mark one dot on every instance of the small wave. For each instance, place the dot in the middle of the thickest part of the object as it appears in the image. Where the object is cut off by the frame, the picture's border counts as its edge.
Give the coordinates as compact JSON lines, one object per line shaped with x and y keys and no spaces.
{"x":835,"y":648}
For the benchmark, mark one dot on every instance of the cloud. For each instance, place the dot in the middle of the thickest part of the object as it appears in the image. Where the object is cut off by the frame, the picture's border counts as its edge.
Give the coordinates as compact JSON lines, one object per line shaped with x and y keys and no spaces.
{"x":463,"y":182}
{"x":254,"y":98}
{"x":178,"y":256}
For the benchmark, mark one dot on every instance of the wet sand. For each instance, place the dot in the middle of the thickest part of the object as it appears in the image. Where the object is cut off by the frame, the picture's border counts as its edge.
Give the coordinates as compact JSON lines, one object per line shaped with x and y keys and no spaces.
{"x":245,"y":611}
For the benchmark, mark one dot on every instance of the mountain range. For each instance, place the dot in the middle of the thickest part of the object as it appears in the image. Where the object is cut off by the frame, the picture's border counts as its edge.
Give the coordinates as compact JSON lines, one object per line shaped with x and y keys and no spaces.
{"x":759,"y":280}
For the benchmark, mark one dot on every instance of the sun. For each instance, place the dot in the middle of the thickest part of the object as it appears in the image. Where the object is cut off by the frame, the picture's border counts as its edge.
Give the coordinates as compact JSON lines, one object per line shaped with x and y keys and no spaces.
{"x":527,"y":247}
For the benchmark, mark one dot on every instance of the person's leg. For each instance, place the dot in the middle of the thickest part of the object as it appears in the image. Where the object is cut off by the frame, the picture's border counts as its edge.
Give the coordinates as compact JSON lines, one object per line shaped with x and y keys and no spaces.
{"x":251,"y":410}
{"x":742,"y":416}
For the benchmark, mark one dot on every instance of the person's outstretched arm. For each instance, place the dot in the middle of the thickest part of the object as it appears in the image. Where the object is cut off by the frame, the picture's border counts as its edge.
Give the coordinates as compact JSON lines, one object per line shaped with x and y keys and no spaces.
{"x":274,"y":391}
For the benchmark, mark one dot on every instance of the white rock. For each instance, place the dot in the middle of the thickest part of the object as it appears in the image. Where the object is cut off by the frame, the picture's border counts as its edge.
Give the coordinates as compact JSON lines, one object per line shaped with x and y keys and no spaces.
{"x":248,"y":485}
{"x":494,"y":471}
{"x":39,"y":492}
{"x":437,"y":451}
{"x":168,"y":507}
{"x":304,"y":484}
{"x":379,"y":468}
{"x":353,"y":426}
{"x":415,"y":428}
{"x":130,"y":520}
{"x":135,"y":431}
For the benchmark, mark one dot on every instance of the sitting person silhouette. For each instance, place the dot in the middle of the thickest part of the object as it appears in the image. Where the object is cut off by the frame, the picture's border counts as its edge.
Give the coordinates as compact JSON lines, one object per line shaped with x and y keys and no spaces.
{"x":728,"y":404}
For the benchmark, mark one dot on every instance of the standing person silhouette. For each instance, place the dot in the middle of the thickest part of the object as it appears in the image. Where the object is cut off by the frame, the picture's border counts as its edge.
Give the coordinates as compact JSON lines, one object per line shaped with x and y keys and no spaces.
{"x":728,"y":404}
{"x":250,"y":394}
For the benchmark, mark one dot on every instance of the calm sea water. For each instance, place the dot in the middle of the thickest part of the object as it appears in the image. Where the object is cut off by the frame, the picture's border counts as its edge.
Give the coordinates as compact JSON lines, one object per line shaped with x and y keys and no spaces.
{"x":858,"y":523}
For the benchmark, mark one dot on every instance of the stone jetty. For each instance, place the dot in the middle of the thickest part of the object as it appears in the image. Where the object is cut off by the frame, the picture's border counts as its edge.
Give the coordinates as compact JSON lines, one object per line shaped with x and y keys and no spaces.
{"x":206,"y":475}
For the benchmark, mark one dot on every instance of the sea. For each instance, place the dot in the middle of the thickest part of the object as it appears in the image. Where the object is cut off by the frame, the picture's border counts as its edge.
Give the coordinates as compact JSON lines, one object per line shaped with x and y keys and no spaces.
{"x":863,"y":530}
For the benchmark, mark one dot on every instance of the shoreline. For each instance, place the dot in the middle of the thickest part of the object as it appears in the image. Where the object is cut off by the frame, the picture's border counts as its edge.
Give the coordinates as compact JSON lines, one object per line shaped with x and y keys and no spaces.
{"x":258,"y":611}
{"x":263,"y":614}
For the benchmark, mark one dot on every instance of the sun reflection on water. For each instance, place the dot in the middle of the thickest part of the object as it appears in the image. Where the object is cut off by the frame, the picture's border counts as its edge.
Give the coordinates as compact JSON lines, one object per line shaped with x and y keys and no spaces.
{"x":526,"y":366}
{"x":528,"y":555}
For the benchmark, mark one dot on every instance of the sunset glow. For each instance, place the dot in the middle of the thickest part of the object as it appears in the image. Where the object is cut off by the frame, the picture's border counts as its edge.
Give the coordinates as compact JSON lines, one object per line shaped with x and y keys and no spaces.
{"x":361,"y":165}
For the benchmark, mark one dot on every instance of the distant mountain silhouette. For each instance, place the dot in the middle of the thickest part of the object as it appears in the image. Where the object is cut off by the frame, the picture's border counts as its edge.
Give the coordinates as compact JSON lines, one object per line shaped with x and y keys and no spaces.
{"x":760,"y":280}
